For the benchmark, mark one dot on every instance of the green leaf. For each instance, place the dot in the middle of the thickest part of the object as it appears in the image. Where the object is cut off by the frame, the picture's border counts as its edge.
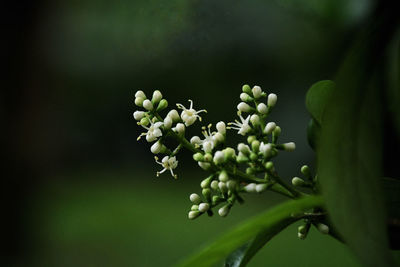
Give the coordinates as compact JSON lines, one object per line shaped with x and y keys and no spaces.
{"x":317,"y":98}
{"x":313,"y":133}
{"x":243,"y":255}
{"x":240,"y":235}
{"x":391,"y":188}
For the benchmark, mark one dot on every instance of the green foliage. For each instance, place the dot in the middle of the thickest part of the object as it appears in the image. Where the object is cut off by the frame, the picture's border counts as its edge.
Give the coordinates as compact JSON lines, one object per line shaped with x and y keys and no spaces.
{"x":263,"y":226}
{"x":317,"y":98}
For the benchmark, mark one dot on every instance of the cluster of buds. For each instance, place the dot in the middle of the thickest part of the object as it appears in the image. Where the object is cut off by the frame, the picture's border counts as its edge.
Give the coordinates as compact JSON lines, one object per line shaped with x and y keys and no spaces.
{"x":233,"y":170}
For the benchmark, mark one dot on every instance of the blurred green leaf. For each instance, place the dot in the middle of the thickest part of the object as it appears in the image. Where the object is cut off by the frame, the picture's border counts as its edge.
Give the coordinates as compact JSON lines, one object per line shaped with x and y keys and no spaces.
{"x":313,"y":133}
{"x":391,"y":188}
{"x":271,"y":219}
{"x":317,"y":98}
{"x":243,"y":255}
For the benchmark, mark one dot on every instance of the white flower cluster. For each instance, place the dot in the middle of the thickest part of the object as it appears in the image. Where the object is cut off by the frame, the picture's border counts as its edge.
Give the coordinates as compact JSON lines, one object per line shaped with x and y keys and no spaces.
{"x":227,"y":182}
{"x":157,"y":127}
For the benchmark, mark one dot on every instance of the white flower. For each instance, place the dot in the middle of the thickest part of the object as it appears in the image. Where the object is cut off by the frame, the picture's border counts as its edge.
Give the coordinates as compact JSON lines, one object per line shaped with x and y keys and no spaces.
{"x":153,"y":132}
{"x":262,"y":108}
{"x":189,"y":115}
{"x":272,"y":98}
{"x":242,"y":126}
{"x":243,"y":107}
{"x":265,"y":149}
{"x":138,"y":115}
{"x":209,"y":141}
{"x":256,"y":91}
{"x":169,"y":163}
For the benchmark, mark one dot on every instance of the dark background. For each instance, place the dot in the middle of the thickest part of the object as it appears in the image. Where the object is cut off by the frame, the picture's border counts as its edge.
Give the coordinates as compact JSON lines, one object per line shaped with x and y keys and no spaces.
{"x":79,"y":189}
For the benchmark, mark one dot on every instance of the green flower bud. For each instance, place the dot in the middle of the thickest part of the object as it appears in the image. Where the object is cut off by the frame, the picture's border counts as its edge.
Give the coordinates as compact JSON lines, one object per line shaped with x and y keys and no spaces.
{"x":255,"y":145}
{"x":323,"y":228}
{"x":241,"y":158}
{"x":198,"y":156}
{"x":195,"y":207}
{"x":162,"y":105}
{"x":251,"y":138}
{"x":223,"y":176}
{"x":306,"y":171}
{"x":229,"y":153}
{"x":253,"y":156}
{"x":144,"y":121}
{"x":269,"y":166}
{"x":246,"y":89}
{"x":296,"y":181}
{"x":250,"y":170}
{"x":139,"y":101}
{"x":231,"y":184}
{"x":204,"y":165}
{"x":207,"y":194}
{"x":206,"y":182}
{"x":208,"y":157}
{"x":222,"y":187}
{"x":214,"y":185}
{"x":216,"y":200}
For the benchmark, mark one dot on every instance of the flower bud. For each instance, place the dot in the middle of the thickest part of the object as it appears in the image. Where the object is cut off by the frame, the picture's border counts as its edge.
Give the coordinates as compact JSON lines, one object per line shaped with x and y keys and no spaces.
{"x":139,"y":101}
{"x":255,"y":119}
{"x":224,"y":210}
{"x":251,"y":138}
{"x":262,"y":108}
{"x":208,"y":157}
{"x":198,"y":156}
{"x":241,"y":158}
{"x":162,"y":105}
{"x":203,"y":207}
{"x":271,"y":101}
{"x":174,"y":115}
{"x":222,"y":186}
{"x":206,"y":182}
{"x":193,"y":214}
{"x":157,"y":96}
{"x":289,"y":146}
{"x":269,"y":127}
{"x":255,"y":145}
{"x":221,"y":127}
{"x":261,"y":188}
{"x":231,"y":184}
{"x":250,"y":170}
{"x":223,"y":176}
{"x":147,"y":104}
{"x":157,"y":147}
{"x":216,"y":200}
{"x":208,"y":146}
{"x":243,"y":148}
{"x":195,"y":140}
{"x":296,"y":181}
{"x":305,"y":170}
{"x":218,"y":137}
{"x":219,"y":157}
{"x":141,"y":94}
{"x":245,"y":97}
{"x":138,"y":115}
{"x":179,"y":128}
{"x":269,"y":166}
{"x":246,"y":89}
{"x":167,"y":123}
{"x":265,"y":149}
{"x":256,"y":91}
{"x":250,"y":188}
{"x":253,"y":156}
{"x":229,"y":153}
{"x":204,"y":165}
{"x":323,"y":228}
{"x":144,"y":121}
{"x":195,"y":198}
{"x":194,"y":207}
{"x":207,"y":194}
{"x":302,"y":231}
{"x":214,"y":185}
{"x":243,"y":107}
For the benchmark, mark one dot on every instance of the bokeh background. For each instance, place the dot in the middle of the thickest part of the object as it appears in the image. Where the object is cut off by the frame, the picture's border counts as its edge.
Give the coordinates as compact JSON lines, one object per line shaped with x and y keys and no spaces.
{"x":80,"y":190}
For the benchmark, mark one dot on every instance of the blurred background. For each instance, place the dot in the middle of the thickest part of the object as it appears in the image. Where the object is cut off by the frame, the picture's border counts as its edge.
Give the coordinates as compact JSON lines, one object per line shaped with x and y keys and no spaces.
{"x":80,"y":190}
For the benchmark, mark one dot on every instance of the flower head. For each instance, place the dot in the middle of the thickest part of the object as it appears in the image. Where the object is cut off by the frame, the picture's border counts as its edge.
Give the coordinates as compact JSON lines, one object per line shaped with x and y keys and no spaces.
{"x":189,"y":115}
{"x":168,"y":163}
{"x":242,"y":126}
{"x":153,"y":132}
